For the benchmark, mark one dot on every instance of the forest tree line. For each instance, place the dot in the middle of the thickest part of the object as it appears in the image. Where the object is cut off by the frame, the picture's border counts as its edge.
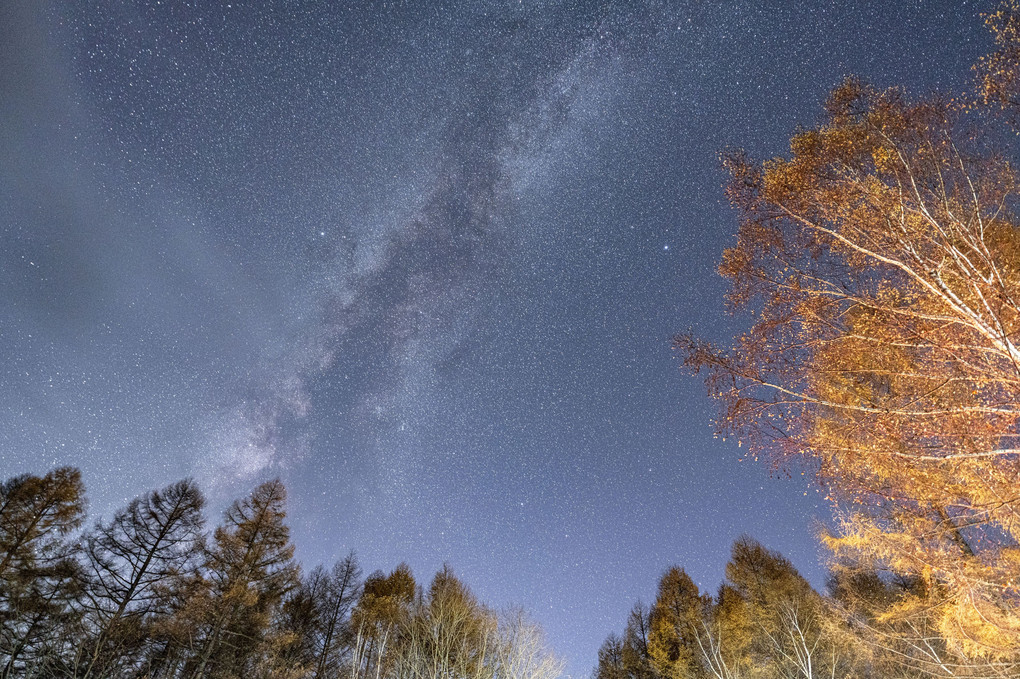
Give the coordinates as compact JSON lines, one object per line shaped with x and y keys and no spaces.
{"x":767,"y":622}
{"x":151,"y":594}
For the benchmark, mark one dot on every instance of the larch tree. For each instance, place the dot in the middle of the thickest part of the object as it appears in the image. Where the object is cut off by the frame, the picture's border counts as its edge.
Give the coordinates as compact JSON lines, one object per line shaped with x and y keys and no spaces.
{"x":766,"y":622}
{"x":999,"y":72}
{"x":637,"y":661}
{"x":38,"y":578}
{"x":298,"y":621}
{"x":676,"y":622}
{"x":786,"y":620}
{"x":448,"y":635}
{"x":340,"y":591}
{"x":881,"y":265}
{"x":610,"y":659}
{"x":907,"y":647}
{"x":315,"y":619}
{"x":130,"y":563}
{"x":250,"y":568}
{"x":383,"y":609}
{"x":724,"y":635}
{"x":35,"y":514}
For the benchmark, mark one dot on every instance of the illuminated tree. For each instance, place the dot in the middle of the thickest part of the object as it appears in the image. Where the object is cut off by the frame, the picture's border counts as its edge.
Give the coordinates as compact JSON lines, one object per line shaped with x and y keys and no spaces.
{"x":785,"y":620}
{"x":383,"y":610}
{"x":999,"y":72}
{"x":448,"y":635}
{"x":675,"y":624}
{"x":766,"y":622}
{"x":881,"y":265}
{"x":521,"y":651}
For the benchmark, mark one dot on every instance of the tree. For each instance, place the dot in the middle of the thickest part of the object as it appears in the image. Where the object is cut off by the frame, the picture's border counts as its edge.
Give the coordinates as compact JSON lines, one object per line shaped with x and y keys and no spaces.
{"x":999,"y":72}
{"x":315,"y":618}
{"x":521,"y":651}
{"x":724,"y":635}
{"x":35,"y":513}
{"x":38,"y":580}
{"x":610,"y":664}
{"x":146,"y":594}
{"x":676,"y":622}
{"x":882,"y":267}
{"x":250,"y":569}
{"x":444,"y":633}
{"x":788,"y":629}
{"x":448,"y":635}
{"x":130,"y":563}
{"x":341,"y":589}
{"x":384,"y":608}
{"x":765,"y":623}
{"x":637,"y":661}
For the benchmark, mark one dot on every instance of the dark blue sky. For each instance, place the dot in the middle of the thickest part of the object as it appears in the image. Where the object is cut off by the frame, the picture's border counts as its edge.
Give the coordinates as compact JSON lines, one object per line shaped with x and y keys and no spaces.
{"x":420,"y":260}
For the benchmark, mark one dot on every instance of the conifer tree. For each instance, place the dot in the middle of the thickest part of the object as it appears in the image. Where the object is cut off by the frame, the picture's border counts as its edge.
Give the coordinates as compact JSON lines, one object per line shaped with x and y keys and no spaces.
{"x":610,"y":663}
{"x":788,"y":629}
{"x":130,"y":563}
{"x":676,"y":622}
{"x":637,"y":661}
{"x":340,"y":591}
{"x":250,"y":568}
{"x":384,"y":608}
{"x":38,"y":578}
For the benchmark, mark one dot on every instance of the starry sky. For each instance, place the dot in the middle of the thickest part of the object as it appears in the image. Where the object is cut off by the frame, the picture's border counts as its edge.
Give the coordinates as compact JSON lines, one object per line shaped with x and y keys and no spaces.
{"x":422,"y":261}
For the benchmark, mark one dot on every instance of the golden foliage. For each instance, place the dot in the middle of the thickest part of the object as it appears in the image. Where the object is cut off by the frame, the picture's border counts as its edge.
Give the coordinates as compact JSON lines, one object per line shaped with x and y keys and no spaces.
{"x":880,"y":260}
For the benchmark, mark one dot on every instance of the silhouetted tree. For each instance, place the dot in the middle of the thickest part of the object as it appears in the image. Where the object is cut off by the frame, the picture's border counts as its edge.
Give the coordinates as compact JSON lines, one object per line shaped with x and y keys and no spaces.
{"x":637,"y":662}
{"x":340,"y":590}
{"x":130,"y":562}
{"x":610,"y":663}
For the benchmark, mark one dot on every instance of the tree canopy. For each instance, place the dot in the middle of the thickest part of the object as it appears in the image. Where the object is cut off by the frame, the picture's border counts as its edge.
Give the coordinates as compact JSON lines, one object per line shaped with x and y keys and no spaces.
{"x":880,"y":263}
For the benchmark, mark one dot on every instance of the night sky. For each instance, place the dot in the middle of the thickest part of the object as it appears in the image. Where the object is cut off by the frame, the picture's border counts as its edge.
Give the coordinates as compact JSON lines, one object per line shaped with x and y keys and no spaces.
{"x":420,"y":260}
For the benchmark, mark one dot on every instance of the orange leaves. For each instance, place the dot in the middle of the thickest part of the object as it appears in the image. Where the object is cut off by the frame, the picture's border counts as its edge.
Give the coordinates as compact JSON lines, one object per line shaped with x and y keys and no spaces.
{"x":883,"y":267}
{"x":999,"y":73}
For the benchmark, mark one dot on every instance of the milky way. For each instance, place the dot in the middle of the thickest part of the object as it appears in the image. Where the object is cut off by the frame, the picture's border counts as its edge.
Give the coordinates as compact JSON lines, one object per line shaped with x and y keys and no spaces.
{"x":422,"y":261}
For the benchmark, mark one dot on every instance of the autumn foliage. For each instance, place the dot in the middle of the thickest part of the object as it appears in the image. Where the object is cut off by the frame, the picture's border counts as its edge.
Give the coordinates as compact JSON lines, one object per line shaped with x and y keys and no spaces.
{"x":880,"y":262}
{"x":764,"y":622}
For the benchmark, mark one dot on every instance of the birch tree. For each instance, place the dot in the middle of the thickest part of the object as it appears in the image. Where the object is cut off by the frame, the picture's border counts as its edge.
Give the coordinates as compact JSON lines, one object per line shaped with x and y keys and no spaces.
{"x":880,"y":262}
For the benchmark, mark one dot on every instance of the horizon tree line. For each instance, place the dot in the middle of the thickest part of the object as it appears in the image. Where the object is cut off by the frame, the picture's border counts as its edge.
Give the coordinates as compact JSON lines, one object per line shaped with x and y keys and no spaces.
{"x":151,"y":594}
